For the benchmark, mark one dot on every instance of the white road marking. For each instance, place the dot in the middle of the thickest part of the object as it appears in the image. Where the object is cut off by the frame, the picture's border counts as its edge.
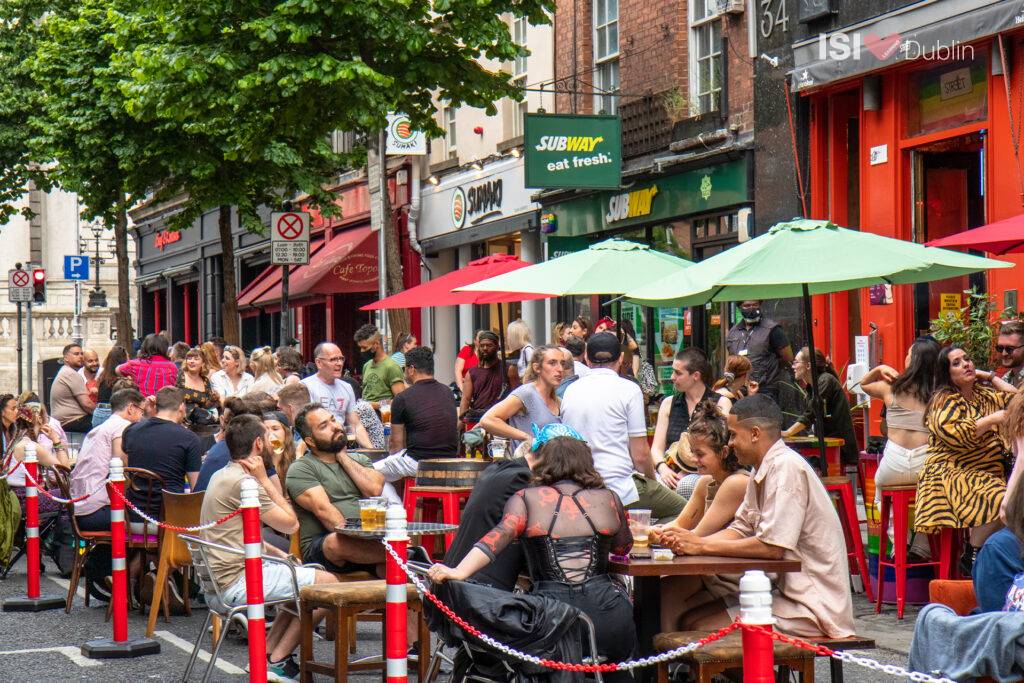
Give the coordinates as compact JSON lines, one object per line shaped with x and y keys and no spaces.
{"x":185,"y":646}
{"x":72,"y":652}
{"x":66,"y":585}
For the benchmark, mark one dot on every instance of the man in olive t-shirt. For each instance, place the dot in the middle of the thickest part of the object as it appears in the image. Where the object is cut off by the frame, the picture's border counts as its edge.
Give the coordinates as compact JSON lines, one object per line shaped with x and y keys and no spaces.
{"x":326,"y":485}
{"x":382,"y":377}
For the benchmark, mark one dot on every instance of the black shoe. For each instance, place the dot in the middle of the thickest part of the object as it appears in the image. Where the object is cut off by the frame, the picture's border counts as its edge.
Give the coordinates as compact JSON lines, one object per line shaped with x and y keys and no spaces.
{"x":967,"y":559}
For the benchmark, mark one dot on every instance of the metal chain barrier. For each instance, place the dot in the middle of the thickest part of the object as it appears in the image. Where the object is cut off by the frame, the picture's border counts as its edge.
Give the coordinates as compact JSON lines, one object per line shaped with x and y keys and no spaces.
{"x":63,"y":501}
{"x":664,"y":657}
{"x":171,"y":527}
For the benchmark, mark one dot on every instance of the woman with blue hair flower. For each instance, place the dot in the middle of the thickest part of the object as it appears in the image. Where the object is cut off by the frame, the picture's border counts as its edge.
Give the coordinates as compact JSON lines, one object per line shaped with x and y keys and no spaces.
{"x":567,"y":523}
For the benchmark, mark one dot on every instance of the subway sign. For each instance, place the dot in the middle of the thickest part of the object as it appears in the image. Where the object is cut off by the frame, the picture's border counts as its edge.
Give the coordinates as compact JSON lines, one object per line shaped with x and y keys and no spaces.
{"x":570,"y":151}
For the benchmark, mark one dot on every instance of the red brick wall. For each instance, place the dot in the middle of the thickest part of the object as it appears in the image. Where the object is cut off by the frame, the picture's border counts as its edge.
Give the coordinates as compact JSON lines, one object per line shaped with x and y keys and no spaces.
{"x":653,"y":55}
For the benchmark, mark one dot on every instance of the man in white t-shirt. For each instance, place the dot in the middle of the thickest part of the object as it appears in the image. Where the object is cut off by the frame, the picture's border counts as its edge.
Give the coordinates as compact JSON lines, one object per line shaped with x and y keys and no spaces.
{"x":608,"y":410}
{"x":327,"y":388}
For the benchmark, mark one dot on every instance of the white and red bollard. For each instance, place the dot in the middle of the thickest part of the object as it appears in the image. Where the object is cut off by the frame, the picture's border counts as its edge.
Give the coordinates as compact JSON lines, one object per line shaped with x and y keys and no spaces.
{"x":756,"y":609}
{"x":252,"y":536}
{"x":33,"y":601}
{"x":120,"y":646}
{"x":396,"y":642}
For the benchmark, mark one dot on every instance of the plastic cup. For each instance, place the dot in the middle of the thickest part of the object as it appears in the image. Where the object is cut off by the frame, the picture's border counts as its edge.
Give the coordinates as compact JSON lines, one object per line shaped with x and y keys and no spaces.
{"x":368,"y":513}
{"x":640,"y":527}
{"x":498,"y":449}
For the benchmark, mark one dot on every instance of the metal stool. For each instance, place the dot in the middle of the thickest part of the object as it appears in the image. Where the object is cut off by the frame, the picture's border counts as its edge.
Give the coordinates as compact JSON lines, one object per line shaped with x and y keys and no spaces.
{"x":896,"y":501}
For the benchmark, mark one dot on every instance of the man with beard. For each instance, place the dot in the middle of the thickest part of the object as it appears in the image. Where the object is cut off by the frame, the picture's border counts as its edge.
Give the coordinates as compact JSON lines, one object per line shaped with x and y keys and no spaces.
{"x":481,"y":387}
{"x":326,"y":485}
{"x":248,"y":446}
{"x":1010,"y":347}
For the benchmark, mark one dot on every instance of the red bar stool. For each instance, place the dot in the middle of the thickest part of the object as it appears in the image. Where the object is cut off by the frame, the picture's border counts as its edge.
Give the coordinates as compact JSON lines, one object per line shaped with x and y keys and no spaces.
{"x":896,"y":501}
{"x":843,"y":487}
{"x":450,"y":499}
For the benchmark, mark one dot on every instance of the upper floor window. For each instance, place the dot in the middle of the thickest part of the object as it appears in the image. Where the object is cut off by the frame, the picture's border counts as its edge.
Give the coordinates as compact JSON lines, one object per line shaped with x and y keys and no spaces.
{"x":450,"y":137}
{"x":705,"y":56}
{"x":606,"y":55}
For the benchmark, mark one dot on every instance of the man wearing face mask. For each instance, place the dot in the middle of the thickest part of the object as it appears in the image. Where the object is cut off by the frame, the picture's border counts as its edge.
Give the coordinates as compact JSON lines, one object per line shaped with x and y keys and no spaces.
{"x":764,"y":343}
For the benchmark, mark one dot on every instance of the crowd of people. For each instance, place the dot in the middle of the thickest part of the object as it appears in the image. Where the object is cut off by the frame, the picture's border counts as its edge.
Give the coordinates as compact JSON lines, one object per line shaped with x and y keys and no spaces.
{"x":717,"y":475}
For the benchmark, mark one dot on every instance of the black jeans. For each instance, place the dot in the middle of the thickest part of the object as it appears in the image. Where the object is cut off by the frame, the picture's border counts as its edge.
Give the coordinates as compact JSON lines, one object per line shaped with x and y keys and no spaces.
{"x":608,"y":606}
{"x":81,"y":425}
{"x":95,"y":521}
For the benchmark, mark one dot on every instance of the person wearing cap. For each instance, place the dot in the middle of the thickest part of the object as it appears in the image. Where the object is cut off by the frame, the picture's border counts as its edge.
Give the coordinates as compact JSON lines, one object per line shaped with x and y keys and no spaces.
{"x":608,"y":410}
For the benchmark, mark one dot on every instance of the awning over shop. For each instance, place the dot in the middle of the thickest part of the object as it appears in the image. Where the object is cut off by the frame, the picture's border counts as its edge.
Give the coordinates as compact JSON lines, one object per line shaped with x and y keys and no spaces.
{"x":344,"y":265}
{"x":939,"y":28}
{"x":270,"y":277}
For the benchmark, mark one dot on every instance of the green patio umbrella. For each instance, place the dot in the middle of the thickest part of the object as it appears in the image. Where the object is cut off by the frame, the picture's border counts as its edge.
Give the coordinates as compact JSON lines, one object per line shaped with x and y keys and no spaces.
{"x":803,"y":257}
{"x":608,"y":267}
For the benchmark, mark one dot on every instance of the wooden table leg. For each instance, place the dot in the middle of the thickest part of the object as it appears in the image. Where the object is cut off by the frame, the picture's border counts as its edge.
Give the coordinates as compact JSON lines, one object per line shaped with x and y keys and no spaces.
{"x":647,"y":615}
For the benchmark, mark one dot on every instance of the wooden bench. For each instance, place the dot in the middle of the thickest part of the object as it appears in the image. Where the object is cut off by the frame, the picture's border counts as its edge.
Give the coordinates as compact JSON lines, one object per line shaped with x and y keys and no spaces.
{"x":727,"y":653}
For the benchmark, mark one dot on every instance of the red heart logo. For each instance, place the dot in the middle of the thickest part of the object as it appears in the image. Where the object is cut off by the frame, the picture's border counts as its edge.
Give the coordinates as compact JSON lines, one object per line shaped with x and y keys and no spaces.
{"x":882,"y":47}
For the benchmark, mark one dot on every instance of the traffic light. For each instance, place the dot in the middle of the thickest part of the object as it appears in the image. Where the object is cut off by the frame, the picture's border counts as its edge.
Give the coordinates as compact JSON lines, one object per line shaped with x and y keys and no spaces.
{"x":38,"y":286}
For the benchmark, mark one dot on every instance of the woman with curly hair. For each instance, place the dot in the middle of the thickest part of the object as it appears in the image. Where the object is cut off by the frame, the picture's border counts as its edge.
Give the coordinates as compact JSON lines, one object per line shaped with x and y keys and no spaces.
{"x":567,"y":523}
{"x":711,"y":508}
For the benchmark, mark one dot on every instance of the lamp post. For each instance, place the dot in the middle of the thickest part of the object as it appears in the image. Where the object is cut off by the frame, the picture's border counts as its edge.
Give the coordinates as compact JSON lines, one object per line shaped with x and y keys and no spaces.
{"x":97,"y":297}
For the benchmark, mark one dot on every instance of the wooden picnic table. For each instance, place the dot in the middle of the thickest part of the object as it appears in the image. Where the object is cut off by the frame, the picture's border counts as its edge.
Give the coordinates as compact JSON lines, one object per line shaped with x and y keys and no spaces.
{"x":647,"y":575}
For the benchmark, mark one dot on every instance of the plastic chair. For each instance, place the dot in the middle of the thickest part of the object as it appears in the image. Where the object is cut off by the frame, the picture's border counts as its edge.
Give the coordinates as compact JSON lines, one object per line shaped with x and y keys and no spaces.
{"x":896,"y":501}
{"x":843,"y":488}
{"x":180,"y":509}
{"x":85,"y":541}
{"x":450,"y":499}
{"x":215,"y":597}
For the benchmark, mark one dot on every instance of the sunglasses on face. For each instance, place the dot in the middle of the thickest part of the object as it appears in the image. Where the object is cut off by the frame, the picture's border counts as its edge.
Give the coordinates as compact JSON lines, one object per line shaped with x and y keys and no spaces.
{"x":1007,"y":349}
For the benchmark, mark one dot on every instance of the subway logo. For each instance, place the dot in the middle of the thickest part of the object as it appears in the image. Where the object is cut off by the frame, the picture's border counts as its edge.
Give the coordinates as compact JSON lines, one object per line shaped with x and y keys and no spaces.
{"x":568,"y":143}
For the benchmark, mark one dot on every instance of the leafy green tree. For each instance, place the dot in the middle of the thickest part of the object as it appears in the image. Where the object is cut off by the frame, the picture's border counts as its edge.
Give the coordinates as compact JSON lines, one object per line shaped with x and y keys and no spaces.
{"x":264,"y":82}
{"x":20,"y":30}
{"x":82,"y":130}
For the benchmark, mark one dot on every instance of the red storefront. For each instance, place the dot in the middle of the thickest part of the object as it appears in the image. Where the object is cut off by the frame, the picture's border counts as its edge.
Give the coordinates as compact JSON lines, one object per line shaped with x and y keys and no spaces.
{"x":915,"y":150}
{"x":342,"y":273}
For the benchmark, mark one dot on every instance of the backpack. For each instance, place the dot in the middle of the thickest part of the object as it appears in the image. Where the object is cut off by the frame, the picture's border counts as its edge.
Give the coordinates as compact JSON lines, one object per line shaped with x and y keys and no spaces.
{"x":647,"y":379}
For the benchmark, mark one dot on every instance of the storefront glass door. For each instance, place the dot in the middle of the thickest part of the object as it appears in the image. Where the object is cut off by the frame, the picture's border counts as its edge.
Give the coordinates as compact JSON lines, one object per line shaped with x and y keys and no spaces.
{"x":948,"y":194}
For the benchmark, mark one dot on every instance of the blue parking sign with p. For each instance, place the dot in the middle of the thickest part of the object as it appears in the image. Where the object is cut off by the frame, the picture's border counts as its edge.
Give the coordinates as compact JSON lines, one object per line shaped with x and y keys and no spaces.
{"x":76,"y":267}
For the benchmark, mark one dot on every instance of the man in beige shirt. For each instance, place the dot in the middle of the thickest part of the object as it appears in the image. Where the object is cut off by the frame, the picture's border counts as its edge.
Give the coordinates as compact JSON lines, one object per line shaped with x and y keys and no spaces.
{"x":785,"y":514}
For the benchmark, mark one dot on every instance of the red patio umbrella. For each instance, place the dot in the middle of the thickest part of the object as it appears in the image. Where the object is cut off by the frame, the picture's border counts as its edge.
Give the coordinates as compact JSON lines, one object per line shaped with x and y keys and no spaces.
{"x":1002,"y":237}
{"x":438,"y":292}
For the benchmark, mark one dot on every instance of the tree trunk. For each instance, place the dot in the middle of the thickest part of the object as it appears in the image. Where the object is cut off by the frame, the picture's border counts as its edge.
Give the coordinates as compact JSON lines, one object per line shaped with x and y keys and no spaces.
{"x":398,"y":318}
{"x":229,"y":304}
{"x":124,"y":302}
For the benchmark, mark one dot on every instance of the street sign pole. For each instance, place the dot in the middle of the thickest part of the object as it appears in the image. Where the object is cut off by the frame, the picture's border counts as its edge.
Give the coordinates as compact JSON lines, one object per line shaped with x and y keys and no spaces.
{"x":76,"y":324}
{"x":21,"y":360}
{"x":28,"y":332}
{"x":286,"y":336}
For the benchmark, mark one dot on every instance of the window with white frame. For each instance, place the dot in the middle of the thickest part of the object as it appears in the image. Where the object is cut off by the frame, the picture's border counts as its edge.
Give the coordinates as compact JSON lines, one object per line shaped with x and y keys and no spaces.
{"x":519,"y":65}
{"x":448,"y":124}
{"x":606,"y":55}
{"x":705,"y":56}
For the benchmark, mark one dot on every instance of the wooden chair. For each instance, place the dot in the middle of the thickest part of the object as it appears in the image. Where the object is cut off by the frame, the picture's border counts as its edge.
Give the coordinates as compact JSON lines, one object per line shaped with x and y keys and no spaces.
{"x":180,"y":509}
{"x":85,"y":541}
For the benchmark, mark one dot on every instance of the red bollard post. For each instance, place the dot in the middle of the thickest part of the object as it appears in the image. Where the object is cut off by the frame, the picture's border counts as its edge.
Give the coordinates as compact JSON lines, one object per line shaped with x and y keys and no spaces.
{"x":756,"y":609}
{"x":33,"y":602}
{"x":396,"y":642}
{"x":253,"y":538}
{"x":120,"y":646}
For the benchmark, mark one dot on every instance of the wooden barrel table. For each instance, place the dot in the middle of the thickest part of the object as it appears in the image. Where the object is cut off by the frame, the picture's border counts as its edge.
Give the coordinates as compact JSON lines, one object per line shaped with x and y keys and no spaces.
{"x":449,"y":472}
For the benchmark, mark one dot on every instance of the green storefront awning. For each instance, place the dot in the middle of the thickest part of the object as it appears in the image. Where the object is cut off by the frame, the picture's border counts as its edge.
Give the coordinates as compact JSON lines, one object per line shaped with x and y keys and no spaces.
{"x":651,"y":201}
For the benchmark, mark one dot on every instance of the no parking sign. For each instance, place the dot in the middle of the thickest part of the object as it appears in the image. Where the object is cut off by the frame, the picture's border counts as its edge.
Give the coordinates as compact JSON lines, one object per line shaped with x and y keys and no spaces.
{"x":289,"y":238}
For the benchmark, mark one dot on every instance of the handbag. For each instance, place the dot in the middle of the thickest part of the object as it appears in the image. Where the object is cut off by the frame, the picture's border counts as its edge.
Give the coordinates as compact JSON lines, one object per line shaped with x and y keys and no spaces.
{"x":647,"y":379}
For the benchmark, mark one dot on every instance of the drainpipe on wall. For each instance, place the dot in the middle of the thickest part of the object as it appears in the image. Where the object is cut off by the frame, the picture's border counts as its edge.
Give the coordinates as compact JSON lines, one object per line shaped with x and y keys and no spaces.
{"x":410,"y":226}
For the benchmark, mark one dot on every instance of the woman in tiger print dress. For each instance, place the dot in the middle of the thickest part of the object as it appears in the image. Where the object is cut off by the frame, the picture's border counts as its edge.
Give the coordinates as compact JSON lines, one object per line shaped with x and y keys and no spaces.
{"x":964,"y":477}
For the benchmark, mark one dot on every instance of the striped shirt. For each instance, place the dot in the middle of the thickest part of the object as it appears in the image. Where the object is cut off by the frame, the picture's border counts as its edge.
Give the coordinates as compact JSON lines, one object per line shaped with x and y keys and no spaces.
{"x":150,"y":374}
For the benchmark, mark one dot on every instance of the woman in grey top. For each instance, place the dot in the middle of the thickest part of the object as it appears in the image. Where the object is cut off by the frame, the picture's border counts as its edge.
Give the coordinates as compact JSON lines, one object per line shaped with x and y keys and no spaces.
{"x":532,"y":403}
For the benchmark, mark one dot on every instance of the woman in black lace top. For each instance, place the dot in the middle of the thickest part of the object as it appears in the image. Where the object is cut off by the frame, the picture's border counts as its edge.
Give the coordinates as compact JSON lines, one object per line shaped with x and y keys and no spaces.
{"x":568,"y":523}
